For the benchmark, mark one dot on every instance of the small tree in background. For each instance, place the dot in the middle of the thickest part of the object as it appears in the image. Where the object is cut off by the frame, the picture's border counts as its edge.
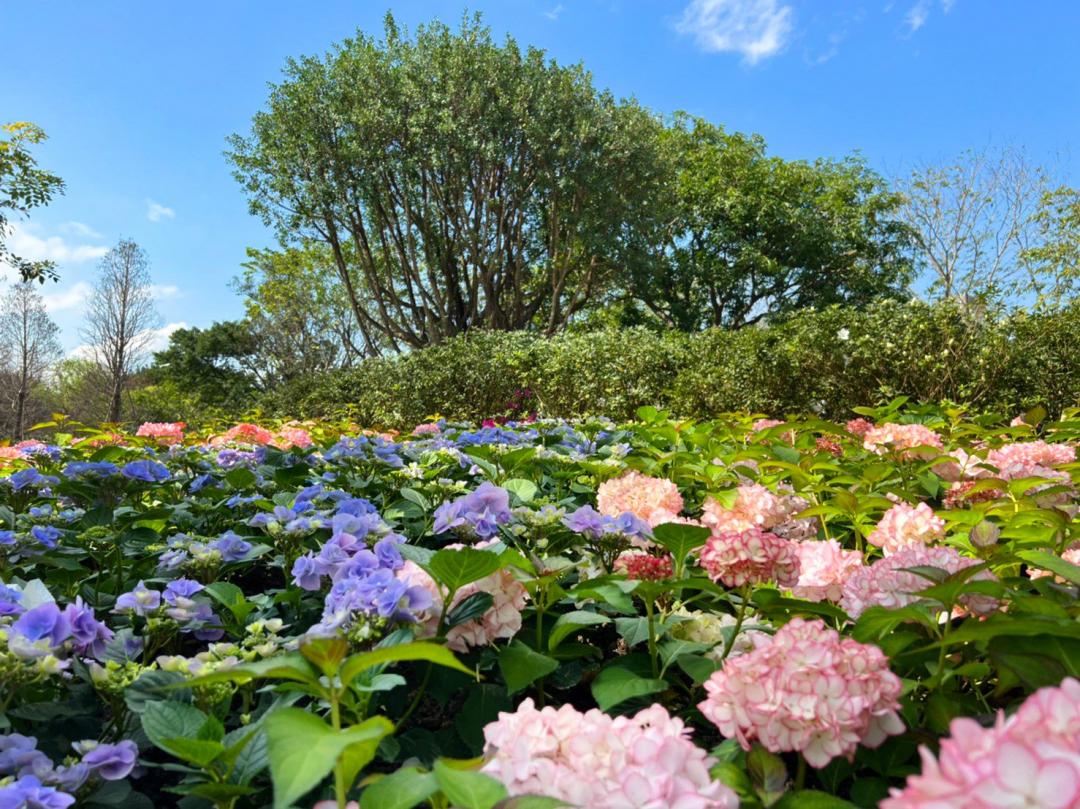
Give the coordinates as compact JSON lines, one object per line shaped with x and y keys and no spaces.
{"x":23,"y":186}
{"x":120,"y":319}
{"x":28,"y":338}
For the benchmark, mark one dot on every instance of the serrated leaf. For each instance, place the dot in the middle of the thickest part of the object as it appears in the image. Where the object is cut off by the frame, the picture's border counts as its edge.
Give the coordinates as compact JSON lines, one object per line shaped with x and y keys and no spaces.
{"x":615,"y":685}
{"x":570,"y":622}
{"x":522,"y":666}
{"x":420,"y":650}
{"x":468,"y":789}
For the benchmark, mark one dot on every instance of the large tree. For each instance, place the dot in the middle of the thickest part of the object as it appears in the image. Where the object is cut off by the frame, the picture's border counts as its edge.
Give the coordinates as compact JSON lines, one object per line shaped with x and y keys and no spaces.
{"x":28,"y":338}
{"x":747,"y":236}
{"x":23,"y":186}
{"x":298,"y":313}
{"x":219,"y":364}
{"x":457,"y":183}
{"x":974,"y":219}
{"x":120,"y":318}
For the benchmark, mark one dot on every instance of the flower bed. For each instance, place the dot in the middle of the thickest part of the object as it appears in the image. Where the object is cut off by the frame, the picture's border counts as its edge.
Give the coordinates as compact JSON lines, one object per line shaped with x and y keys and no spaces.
{"x":741,"y":612}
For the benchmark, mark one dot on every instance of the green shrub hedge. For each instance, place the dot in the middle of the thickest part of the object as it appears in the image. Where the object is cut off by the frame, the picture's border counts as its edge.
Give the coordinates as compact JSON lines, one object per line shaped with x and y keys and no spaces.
{"x":825,"y":362}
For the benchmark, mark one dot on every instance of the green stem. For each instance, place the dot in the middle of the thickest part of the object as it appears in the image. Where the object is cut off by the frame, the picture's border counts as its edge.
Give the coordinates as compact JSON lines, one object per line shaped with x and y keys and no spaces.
{"x":800,"y":773}
{"x":417,"y":697}
{"x":341,"y":790}
{"x":740,"y":614}
{"x":652,"y":637}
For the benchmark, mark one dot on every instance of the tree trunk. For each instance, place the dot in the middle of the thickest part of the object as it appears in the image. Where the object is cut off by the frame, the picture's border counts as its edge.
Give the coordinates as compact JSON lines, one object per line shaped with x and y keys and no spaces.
{"x":114,"y":404}
{"x":20,"y":411}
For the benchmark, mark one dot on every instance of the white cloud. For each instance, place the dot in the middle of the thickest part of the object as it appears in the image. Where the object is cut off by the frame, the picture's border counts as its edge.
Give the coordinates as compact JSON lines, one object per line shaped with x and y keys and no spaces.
{"x":155,"y":211}
{"x":79,"y":229}
{"x":553,"y":14}
{"x":947,"y":5}
{"x":916,"y":16}
{"x":757,"y":29}
{"x":155,"y":340}
{"x":160,"y":292}
{"x":159,"y":338}
{"x":26,"y":240}
{"x":73,"y":297}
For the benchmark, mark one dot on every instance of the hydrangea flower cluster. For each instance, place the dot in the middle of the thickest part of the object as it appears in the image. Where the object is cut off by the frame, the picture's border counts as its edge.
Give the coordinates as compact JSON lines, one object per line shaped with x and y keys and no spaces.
{"x":756,"y":506}
{"x":40,"y":784}
{"x":712,"y":628}
{"x":1029,"y":759}
{"x":808,"y":690}
{"x":167,"y":432}
{"x":752,"y":556}
{"x":1031,"y":454}
{"x":640,"y":566}
{"x":910,"y":440}
{"x":890,"y":583}
{"x":593,"y":525}
{"x":501,"y":621}
{"x":824,"y":566}
{"x":177,"y":602}
{"x":476,"y":514}
{"x":646,"y":761}
{"x":653,"y":500}
{"x":905,"y":526}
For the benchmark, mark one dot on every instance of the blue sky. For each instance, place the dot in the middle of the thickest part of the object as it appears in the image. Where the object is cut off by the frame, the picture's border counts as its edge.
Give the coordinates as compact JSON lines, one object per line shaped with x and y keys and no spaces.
{"x":138,"y":99}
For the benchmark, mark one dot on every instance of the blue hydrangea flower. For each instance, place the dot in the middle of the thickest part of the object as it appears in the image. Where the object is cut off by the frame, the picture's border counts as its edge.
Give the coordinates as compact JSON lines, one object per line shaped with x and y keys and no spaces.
{"x":146,"y":471}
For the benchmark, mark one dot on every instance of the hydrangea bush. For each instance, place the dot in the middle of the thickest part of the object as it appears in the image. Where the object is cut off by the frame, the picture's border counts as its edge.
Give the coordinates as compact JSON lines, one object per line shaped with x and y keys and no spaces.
{"x":744,"y":612}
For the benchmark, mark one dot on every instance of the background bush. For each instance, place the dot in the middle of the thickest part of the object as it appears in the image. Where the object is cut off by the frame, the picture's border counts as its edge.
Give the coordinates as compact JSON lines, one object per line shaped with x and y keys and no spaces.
{"x":825,"y":362}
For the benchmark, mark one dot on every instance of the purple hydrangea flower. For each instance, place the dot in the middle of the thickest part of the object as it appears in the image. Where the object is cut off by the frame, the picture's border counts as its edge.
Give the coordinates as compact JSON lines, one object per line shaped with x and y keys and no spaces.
{"x":47,"y":535}
{"x":141,"y":600}
{"x":29,"y":793}
{"x":305,"y":573}
{"x":9,"y":601}
{"x":44,"y":622}
{"x":112,"y":761}
{"x":89,"y":634}
{"x":146,"y":471}
{"x":231,"y":546}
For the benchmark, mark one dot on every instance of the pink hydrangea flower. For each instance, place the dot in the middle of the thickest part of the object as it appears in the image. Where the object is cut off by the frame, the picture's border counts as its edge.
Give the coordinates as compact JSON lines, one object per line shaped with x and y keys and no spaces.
{"x":590,"y":759}
{"x":427,"y":429}
{"x":640,"y":566}
{"x":824,"y":566}
{"x":653,"y":500}
{"x":10,"y":453}
{"x":1031,"y":454}
{"x":752,"y":556}
{"x":1031,"y":759}
{"x":758,"y":507}
{"x":859,"y":427}
{"x":889,"y":582}
{"x":904,"y":526}
{"x":291,"y":436}
{"x":962,"y":466}
{"x":810,"y":690}
{"x":903,"y":438}
{"x":244,"y":433}
{"x":166,"y":432}
{"x":501,"y":621}
{"x":765,"y":424}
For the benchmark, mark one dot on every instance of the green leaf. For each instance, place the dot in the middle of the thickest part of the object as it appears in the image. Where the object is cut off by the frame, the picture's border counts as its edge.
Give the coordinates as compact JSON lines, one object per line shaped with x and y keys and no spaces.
{"x":1037,"y":660}
{"x":403,"y":789}
{"x":812,"y":799}
{"x":521,"y":666}
{"x":421,"y":650}
{"x":680,"y":539}
{"x":572,"y":621}
{"x":240,"y":478}
{"x":165,"y":720}
{"x":220,"y":793}
{"x":416,"y":497}
{"x":200,"y":752}
{"x":481,"y":707}
{"x":325,"y":653}
{"x":456,"y":567}
{"x":616,"y":684}
{"x":290,"y":666}
{"x":1055,"y":564}
{"x":468,"y":789}
{"x":525,"y":490}
{"x":469,"y":609}
{"x":303,"y":749}
{"x":876,"y":622}
{"x":149,"y":686}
